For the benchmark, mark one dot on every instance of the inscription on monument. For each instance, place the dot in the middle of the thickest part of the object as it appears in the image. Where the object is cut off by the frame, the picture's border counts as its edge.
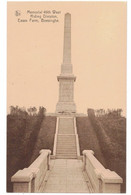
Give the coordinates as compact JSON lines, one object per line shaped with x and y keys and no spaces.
{"x":66,"y":92}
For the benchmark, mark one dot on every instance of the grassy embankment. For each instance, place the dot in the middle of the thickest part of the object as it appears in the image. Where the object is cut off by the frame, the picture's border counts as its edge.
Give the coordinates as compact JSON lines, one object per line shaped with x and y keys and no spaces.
{"x":22,"y":137}
{"x":106,"y":136}
{"x":88,"y":139}
{"x":45,"y":139}
{"x":115,"y":129}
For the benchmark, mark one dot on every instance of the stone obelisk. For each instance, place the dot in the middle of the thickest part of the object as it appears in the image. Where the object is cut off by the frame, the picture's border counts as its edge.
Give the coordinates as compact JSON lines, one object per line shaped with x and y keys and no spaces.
{"x":66,"y":78}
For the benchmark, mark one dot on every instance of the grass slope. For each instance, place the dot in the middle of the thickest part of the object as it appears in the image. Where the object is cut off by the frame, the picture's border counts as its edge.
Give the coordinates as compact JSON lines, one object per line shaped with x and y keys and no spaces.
{"x":115,"y":128}
{"x":88,"y":139}
{"x":106,"y":136}
{"x":21,"y":133}
{"x":45,"y":139}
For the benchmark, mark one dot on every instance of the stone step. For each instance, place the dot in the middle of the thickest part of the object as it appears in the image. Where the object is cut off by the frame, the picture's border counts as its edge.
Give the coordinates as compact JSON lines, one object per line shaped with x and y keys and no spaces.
{"x":66,"y":153}
{"x":69,"y":155}
{"x":70,"y":130}
{"x":66,"y":143}
{"x":66,"y":139}
{"x":67,"y":135}
{"x":65,"y":150}
{"x":65,"y":157}
{"x":66,"y":147}
{"x":66,"y":130}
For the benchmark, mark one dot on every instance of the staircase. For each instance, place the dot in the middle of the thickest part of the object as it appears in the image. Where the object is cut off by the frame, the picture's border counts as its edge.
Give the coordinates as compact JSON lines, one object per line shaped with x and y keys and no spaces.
{"x":66,"y":139}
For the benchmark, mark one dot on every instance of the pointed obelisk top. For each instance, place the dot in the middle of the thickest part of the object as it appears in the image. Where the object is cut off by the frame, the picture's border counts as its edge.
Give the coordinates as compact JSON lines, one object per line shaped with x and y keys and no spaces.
{"x":67,"y":66}
{"x":67,"y":21}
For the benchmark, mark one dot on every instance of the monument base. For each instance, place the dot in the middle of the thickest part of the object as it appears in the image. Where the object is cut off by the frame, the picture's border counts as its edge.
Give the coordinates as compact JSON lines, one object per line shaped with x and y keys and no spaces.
{"x":65,"y":107}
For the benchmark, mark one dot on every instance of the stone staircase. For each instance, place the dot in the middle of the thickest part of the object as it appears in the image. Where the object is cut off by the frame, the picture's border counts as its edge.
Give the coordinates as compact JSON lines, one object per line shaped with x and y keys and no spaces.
{"x":66,"y":139}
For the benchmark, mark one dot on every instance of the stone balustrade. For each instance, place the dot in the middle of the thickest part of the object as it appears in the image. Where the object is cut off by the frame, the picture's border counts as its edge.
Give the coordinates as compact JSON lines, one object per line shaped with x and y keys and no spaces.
{"x":102,"y":180}
{"x":31,"y":179}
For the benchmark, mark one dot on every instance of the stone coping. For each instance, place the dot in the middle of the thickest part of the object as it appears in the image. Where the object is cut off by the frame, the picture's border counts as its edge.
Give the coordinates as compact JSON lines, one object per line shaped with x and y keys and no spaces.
{"x":66,"y":76}
{"x":95,"y":163}
{"x":108,"y":176}
{"x":24,"y":175}
{"x":67,"y":114}
{"x":105,"y":175}
{"x":27,"y":174}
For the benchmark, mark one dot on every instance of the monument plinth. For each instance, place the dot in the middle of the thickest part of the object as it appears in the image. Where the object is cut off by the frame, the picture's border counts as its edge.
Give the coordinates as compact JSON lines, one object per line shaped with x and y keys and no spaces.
{"x":66,"y":78}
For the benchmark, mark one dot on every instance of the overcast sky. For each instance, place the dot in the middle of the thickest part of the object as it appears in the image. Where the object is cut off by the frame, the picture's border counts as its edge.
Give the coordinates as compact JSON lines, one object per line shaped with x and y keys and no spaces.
{"x":35,"y":52}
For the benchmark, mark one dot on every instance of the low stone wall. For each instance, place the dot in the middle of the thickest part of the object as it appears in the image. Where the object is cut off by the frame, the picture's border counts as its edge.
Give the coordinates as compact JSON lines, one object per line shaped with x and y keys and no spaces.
{"x":55,"y":139}
{"x":31,"y":179}
{"x":102,"y":180}
{"x":67,"y":114}
{"x":77,"y":139}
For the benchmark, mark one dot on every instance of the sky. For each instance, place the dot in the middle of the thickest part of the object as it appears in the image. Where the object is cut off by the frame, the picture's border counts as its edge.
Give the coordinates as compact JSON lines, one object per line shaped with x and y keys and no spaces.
{"x":35,"y":52}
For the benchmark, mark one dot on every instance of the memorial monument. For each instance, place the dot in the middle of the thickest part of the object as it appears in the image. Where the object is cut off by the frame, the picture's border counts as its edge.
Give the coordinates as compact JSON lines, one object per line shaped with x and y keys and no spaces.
{"x":66,"y":78}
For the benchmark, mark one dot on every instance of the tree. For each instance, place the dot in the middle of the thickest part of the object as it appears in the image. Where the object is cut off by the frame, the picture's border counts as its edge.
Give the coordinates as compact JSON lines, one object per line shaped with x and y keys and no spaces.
{"x":34,"y":110}
{"x":42,"y":111}
{"x":29,"y":111}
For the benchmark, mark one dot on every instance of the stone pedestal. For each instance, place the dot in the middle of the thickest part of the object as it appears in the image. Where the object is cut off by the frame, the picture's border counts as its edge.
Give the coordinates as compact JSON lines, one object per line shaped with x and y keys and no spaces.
{"x":65,"y":107}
